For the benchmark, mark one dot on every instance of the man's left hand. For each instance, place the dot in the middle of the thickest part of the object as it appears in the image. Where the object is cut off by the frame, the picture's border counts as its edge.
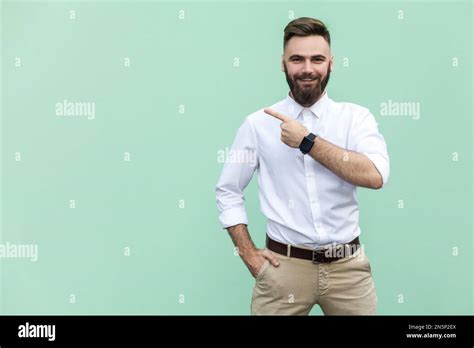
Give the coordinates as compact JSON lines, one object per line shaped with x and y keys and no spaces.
{"x":292,"y":132}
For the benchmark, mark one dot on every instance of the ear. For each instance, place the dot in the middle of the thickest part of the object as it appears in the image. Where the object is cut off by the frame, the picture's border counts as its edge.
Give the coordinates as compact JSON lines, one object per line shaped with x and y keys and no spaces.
{"x":282,"y":62}
{"x":331,"y":62}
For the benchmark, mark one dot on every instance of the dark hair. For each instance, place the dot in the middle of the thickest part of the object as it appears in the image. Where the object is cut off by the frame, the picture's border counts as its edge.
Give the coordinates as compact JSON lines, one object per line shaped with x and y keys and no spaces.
{"x":306,"y":26}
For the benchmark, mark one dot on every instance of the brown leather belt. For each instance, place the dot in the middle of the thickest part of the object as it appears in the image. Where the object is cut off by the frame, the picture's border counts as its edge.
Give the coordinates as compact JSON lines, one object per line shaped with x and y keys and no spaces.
{"x":324,"y":255}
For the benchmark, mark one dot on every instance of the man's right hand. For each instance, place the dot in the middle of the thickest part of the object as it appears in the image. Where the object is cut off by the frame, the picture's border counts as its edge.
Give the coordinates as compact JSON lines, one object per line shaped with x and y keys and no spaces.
{"x":255,"y":259}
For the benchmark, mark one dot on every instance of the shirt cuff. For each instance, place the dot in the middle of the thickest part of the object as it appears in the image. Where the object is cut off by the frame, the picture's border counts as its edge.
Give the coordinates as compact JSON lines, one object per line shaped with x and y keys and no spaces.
{"x":233,"y":216}
{"x":381,"y":164}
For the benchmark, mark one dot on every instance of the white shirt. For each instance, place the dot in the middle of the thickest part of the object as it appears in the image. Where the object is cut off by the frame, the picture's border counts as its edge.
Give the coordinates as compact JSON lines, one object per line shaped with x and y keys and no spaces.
{"x":305,"y":204}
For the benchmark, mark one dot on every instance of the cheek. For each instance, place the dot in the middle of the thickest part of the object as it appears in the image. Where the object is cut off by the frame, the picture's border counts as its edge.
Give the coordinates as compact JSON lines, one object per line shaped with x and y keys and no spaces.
{"x":322,"y":70}
{"x":292,"y":71}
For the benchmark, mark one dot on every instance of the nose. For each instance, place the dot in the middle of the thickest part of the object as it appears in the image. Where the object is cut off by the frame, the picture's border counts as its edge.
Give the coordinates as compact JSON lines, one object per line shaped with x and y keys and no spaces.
{"x":307,"y":68}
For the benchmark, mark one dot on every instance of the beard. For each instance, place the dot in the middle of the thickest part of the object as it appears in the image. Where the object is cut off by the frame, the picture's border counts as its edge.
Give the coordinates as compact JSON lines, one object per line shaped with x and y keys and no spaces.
{"x":307,"y":95}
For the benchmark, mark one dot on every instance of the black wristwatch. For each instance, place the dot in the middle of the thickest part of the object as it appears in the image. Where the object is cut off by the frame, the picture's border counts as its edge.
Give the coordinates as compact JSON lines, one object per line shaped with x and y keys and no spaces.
{"x":307,"y":143}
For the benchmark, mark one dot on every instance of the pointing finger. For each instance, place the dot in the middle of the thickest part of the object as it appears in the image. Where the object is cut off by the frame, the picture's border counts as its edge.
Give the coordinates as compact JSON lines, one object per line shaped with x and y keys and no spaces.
{"x":276,"y":114}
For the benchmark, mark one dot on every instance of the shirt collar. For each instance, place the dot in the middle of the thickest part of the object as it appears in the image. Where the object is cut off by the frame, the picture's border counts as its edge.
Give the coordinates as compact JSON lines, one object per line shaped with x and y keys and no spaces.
{"x":294,"y":109}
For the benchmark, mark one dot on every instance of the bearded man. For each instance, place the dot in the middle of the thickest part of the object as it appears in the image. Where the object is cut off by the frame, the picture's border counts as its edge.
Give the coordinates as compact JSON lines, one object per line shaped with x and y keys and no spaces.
{"x":311,"y":153}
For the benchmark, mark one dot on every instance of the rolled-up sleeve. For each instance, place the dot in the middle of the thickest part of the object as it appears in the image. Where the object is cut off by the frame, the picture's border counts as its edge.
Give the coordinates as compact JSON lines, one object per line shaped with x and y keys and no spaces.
{"x":366,"y":139}
{"x":240,"y":163}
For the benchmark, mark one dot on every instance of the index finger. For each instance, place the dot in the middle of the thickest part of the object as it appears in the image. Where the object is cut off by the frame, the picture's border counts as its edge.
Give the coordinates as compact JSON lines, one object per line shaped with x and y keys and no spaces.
{"x":275,"y":114}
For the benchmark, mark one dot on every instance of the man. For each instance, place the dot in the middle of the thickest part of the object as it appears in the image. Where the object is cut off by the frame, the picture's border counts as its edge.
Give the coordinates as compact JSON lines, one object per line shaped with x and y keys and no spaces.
{"x":310,"y":153}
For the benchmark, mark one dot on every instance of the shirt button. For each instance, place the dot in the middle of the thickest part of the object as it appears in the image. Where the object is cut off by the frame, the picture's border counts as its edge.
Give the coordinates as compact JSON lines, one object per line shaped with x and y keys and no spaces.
{"x":309,"y":174}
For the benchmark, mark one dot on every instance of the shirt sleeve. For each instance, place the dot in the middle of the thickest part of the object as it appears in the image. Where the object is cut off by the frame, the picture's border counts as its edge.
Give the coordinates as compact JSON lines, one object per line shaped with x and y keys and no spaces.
{"x":240,"y":163}
{"x":367,"y":139}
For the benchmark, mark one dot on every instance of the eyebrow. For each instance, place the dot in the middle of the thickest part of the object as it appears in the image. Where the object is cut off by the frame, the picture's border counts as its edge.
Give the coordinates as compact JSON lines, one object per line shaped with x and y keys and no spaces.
{"x":318,"y":56}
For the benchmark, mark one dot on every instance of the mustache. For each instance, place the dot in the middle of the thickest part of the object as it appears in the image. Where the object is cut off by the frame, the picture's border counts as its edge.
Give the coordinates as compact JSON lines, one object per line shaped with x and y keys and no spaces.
{"x":302,"y":77}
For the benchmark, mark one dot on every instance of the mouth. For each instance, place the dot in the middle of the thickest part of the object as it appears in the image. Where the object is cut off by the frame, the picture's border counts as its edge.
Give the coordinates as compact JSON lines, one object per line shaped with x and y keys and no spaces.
{"x":306,"y":80}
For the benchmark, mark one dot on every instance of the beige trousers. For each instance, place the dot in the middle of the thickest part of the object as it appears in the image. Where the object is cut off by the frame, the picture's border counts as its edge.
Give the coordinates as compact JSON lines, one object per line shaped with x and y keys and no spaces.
{"x":342,"y":287}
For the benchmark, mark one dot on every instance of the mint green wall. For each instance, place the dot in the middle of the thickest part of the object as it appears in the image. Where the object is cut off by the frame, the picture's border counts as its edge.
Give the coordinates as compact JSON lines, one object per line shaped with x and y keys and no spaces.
{"x":120,"y":202}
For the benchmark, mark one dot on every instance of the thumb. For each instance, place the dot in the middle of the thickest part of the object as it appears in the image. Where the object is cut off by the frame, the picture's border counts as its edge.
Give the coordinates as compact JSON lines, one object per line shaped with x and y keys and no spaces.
{"x":273,"y":260}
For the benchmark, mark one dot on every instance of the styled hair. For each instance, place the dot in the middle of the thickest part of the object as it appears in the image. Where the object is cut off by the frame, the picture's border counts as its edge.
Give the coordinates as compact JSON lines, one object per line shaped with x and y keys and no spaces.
{"x":306,"y":26}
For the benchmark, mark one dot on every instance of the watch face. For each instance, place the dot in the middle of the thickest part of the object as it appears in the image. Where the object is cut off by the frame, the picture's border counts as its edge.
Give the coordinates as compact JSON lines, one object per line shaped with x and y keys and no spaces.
{"x":305,"y":145}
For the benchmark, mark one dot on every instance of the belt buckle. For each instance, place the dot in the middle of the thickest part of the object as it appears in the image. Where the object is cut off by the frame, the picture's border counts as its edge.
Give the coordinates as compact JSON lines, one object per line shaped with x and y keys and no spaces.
{"x":316,"y":252}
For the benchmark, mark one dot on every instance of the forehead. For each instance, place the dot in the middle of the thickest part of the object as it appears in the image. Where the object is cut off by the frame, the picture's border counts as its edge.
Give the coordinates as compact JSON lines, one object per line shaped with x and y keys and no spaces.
{"x":307,"y":46}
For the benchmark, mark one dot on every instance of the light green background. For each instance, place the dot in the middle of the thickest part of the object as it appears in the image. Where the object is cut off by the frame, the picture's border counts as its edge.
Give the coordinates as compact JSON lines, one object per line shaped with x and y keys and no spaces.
{"x":183,"y":251}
